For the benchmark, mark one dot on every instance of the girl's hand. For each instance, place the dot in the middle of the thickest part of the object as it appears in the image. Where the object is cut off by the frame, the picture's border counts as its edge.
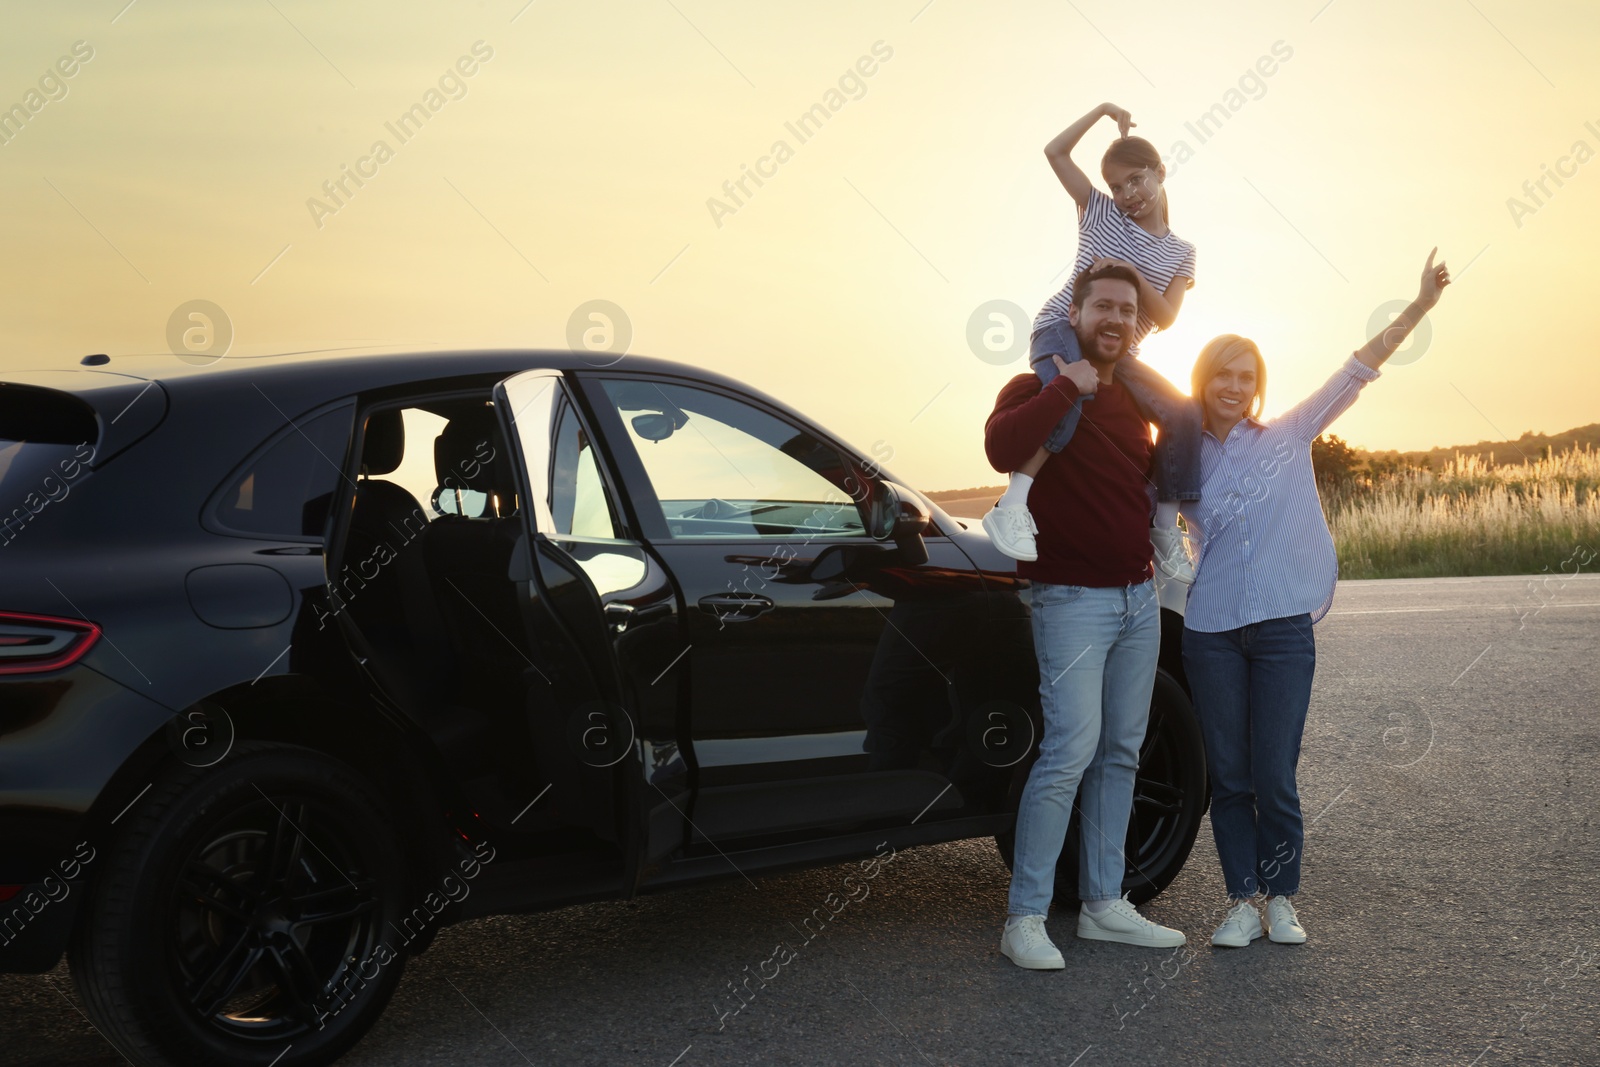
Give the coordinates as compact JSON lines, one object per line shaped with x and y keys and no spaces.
{"x":1434,"y":279}
{"x":1120,"y":115}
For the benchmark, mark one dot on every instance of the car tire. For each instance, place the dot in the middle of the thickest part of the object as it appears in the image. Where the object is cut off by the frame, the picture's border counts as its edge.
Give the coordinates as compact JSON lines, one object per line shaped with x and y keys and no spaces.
{"x":244,"y":915}
{"x":1171,"y":794}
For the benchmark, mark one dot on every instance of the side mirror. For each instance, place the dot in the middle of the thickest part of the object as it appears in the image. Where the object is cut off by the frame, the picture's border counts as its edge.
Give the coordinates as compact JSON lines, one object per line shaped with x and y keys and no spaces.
{"x":897,"y":515}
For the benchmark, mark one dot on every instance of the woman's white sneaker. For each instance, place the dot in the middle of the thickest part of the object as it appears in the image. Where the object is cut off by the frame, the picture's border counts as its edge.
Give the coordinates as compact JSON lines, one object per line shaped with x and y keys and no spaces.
{"x":1120,"y":921}
{"x":1242,"y":926}
{"x":1027,"y":945}
{"x":1011,"y":528}
{"x":1283,"y":925}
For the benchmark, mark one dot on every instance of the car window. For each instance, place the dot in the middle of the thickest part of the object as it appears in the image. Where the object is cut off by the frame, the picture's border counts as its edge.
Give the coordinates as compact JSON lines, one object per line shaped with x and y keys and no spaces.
{"x":723,"y":468}
{"x":405,"y":448}
{"x":286,"y":490}
{"x":416,"y":474}
{"x":579,"y":503}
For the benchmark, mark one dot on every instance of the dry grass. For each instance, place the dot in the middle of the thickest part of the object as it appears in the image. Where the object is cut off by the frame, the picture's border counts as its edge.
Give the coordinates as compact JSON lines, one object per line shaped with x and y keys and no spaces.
{"x":1470,"y":517}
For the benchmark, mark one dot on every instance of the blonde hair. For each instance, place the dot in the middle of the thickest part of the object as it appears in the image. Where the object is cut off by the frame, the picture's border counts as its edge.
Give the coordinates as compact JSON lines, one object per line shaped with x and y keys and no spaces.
{"x":1216,"y":354}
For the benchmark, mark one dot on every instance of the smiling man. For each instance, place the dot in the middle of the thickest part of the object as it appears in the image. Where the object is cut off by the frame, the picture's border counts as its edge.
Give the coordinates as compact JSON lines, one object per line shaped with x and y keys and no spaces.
{"x":1096,"y":623}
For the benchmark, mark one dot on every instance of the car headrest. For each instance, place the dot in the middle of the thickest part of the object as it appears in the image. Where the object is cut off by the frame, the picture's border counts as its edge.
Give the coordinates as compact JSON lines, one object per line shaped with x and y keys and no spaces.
{"x":385,"y":443}
{"x":470,"y":454}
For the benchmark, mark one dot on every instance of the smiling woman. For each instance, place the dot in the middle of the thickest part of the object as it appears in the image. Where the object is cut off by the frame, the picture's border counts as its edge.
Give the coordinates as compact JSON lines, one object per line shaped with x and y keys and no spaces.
{"x":1266,"y":574}
{"x":1230,"y":378}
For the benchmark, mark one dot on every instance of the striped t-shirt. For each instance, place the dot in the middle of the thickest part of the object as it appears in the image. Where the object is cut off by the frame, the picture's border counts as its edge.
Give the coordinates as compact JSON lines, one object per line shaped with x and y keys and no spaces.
{"x":1105,"y":231}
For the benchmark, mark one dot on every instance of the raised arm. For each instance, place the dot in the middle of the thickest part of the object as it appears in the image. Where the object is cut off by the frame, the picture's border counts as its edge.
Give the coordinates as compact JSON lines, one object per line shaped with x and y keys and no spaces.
{"x":1162,"y":307}
{"x":1381,"y":347}
{"x":1059,"y":150}
{"x":1316,"y":413}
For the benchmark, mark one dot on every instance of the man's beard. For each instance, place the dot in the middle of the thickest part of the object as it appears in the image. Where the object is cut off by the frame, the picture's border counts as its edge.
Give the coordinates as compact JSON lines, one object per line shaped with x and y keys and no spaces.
{"x":1090,"y":347}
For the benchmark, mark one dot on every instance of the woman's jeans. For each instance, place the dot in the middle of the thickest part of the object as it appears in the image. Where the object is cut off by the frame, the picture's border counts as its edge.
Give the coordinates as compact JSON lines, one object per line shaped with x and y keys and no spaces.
{"x":1097,"y":652}
{"x":1251,"y":689}
{"x":1176,"y":463}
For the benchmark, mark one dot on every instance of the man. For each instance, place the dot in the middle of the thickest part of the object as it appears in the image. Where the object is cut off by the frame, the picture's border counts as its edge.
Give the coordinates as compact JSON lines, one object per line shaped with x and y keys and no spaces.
{"x":1096,"y":623}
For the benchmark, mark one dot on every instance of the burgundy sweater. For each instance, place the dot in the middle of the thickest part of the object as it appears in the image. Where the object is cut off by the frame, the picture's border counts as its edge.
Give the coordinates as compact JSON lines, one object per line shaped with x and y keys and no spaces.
{"x":1089,"y":500}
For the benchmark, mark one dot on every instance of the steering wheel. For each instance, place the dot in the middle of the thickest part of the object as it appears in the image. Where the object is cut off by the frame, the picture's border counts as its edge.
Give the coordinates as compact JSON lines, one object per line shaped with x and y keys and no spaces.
{"x":716,"y":509}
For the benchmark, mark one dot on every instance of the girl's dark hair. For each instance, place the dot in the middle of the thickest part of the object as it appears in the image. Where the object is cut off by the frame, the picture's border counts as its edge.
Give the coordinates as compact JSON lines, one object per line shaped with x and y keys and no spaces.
{"x":1136,"y":152}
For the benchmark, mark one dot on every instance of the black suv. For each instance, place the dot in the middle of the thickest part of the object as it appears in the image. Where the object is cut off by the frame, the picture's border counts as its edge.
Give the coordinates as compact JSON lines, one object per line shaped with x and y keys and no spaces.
{"x":303,"y":658}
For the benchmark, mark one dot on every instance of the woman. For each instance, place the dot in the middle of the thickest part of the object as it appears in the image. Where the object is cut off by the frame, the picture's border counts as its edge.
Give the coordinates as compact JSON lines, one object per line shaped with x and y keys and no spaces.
{"x":1266,"y":573}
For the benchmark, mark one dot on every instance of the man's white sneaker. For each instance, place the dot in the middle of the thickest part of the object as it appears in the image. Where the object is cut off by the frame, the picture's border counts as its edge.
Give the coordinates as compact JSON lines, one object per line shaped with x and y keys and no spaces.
{"x":1027,"y":945}
{"x":1121,"y":922}
{"x":1172,"y":553}
{"x":1283,"y":925}
{"x":1011,"y":529}
{"x":1242,"y":926}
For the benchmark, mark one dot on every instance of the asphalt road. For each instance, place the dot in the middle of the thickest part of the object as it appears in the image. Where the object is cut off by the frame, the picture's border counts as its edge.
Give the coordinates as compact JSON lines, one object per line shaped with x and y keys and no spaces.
{"x":1449,"y":779}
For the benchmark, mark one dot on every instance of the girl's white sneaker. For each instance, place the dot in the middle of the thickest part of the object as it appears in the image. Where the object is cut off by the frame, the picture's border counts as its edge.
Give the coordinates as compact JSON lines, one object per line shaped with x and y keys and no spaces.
{"x":1172,"y":553}
{"x":1011,"y":529}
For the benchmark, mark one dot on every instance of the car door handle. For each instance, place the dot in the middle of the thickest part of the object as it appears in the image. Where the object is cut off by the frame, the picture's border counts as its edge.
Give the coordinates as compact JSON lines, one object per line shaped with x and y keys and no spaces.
{"x":735,"y":607}
{"x":621,"y":615}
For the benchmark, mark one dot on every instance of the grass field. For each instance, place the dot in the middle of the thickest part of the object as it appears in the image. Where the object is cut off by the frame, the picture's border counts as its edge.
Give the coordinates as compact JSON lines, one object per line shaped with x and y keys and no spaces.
{"x":1470,"y":516}
{"x":1463,"y":516}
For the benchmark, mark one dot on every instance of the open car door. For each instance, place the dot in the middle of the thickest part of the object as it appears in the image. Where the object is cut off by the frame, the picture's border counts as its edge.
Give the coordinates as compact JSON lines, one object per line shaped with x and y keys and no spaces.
{"x":608,"y":730}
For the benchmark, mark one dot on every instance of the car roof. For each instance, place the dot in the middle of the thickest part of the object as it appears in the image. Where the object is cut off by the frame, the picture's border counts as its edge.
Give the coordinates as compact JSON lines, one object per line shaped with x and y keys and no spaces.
{"x":339,"y":370}
{"x":329,"y":373}
{"x":308,"y":378}
{"x":305,"y":379}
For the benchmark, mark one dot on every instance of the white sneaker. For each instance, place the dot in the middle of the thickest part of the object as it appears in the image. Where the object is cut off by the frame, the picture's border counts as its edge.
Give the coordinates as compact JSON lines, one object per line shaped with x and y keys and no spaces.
{"x":1172,"y":553}
{"x":1011,"y":529}
{"x":1283,"y":925}
{"x":1242,"y":926}
{"x":1122,"y":922}
{"x":1028,"y":946}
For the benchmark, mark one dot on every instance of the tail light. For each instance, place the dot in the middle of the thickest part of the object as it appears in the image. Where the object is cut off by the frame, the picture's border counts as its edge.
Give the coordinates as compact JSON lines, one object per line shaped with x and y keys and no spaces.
{"x":30,"y":644}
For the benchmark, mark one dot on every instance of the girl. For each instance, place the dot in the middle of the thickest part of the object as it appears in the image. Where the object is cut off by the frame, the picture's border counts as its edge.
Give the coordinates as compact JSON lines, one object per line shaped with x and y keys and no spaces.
{"x":1247,"y":645}
{"x":1130,"y":228}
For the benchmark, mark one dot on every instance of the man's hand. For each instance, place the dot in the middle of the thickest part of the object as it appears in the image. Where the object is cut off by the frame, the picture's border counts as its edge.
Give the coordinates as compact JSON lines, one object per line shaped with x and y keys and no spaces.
{"x":1112,"y":261}
{"x":1120,"y":115}
{"x":1434,"y":279}
{"x":1081,"y":374}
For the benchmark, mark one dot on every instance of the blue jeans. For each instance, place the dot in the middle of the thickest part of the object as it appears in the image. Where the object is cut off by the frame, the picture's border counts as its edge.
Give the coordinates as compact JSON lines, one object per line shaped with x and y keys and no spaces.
{"x":1252,"y":687}
{"x":1176,"y":463}
{"x":1097,"y":652}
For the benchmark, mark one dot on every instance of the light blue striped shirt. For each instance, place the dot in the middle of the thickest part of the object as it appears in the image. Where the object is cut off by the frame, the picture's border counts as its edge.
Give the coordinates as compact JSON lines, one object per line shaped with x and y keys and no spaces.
{"x":1265,"y":549}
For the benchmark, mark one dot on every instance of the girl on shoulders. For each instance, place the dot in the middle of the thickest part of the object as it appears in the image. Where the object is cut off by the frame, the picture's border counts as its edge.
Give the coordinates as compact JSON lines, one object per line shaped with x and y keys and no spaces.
{"x":1129,"y":228}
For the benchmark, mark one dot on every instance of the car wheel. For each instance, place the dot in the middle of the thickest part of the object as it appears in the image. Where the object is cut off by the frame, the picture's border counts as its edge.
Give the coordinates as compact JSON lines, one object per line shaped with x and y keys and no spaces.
{"x":243,"y":913}
{"x":1170,"y":795}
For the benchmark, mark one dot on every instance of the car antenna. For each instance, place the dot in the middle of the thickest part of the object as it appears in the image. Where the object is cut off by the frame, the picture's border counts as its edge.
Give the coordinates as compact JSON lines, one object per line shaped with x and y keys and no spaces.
{"x":99,"y":359}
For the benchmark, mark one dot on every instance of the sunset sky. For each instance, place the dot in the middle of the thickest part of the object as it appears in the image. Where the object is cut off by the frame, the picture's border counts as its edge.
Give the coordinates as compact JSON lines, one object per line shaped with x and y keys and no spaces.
{"x":579,"y":159}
